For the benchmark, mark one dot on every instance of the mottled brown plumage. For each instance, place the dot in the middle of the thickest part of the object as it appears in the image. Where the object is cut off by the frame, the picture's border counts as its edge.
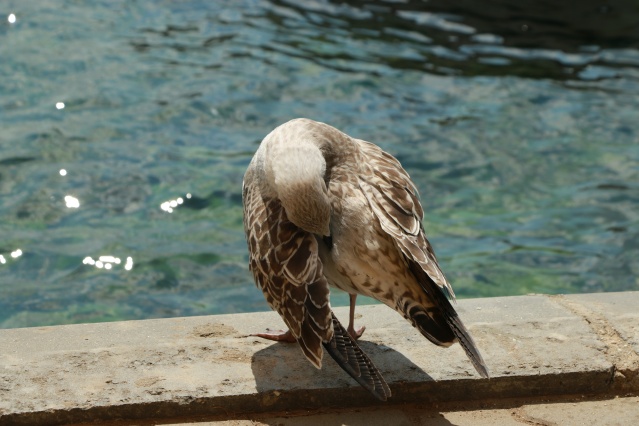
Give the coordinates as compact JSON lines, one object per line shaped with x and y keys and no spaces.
{"x":322,"y":208}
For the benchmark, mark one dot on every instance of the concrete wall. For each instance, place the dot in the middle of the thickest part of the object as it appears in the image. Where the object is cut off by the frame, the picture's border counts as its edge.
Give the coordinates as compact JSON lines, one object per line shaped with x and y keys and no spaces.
{"x":535,"y":346}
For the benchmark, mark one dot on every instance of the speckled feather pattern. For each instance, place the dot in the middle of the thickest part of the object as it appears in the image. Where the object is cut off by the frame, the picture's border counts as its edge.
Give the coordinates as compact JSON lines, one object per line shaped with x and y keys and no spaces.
{"x":285,"y":264}
{"x":379,"y":248}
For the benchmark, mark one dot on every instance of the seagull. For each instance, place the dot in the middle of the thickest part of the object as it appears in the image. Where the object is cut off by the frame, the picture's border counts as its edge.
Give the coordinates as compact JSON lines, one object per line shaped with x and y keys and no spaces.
{"x":324,"y":209}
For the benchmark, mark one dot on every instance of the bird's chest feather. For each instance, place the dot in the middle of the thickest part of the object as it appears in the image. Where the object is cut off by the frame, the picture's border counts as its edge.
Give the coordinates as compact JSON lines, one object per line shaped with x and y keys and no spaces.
{"x":360,"y":257}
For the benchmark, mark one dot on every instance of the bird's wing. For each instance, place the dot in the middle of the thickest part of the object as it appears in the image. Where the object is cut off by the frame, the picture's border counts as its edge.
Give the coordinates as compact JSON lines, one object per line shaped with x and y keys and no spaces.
{"x":395,"y":201}
{"x":285,"y":263}
{"x":347,"y":353}
{"x":286,"y":266}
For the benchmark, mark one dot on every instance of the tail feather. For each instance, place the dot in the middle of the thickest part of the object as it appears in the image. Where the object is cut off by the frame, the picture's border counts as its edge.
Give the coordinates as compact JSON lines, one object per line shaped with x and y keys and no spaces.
{"x":451,"y":318}
{"x":347,"y":353}
{"x":430,"y":321}
{"x":464,"y":338}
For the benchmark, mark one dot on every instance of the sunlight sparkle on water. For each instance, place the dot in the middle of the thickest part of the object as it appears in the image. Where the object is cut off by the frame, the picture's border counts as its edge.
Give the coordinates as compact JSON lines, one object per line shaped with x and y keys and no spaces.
{"x":59,"y":105}
{"x":63,"y":172}
{"x":108,"y":262}
{"x":110,"y":259}
{"x":72,"y":202}
{"x":14,"y":254}
{"x":168,"y":206}
{"x":11,"y":18}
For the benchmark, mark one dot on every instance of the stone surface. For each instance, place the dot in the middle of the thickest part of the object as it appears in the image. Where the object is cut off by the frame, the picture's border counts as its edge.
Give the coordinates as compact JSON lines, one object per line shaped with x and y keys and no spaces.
{"x":533,"y":345}
{"x":608,"y":412}
{"x":618,"y":309}
{"x":614,"y":318}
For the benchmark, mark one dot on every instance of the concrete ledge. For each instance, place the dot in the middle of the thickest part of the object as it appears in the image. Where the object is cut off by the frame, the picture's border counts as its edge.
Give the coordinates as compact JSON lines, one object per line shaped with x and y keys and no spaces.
{"x":208,"y":366}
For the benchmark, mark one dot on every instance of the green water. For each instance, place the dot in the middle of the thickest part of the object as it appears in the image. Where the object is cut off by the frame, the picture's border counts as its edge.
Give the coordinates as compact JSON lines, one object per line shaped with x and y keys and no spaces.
{"x":519,"y":125}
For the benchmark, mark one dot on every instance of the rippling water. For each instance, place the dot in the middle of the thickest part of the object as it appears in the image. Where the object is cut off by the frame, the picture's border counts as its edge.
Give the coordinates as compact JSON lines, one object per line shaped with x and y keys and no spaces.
{"x":126,"y":127}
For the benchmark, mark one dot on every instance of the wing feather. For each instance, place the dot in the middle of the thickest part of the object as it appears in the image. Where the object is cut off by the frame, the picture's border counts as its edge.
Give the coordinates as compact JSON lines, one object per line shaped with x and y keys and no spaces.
{"x":285,"y":263}
{"x":355,"y":362}
{"x":395,"y":201}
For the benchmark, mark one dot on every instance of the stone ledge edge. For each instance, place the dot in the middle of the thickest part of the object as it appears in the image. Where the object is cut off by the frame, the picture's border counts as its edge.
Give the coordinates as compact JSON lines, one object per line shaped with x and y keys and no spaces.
{"x":621,"y":378}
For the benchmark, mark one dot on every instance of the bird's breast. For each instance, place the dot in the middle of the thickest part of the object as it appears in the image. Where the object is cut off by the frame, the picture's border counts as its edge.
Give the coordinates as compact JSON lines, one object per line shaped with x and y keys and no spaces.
{"x":362,"y":258}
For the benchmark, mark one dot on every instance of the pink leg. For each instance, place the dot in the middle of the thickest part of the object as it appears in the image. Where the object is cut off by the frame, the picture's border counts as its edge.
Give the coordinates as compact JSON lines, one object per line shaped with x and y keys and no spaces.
{"x":351,"y":320}
{"x":278,"y":336}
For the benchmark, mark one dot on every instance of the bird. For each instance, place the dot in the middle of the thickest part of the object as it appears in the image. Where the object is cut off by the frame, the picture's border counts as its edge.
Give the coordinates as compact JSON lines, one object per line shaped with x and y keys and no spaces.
{"x":323,"y":209}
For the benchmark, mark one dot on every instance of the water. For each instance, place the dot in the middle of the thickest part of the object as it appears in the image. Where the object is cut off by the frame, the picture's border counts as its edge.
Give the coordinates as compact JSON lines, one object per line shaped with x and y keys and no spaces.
{"x":518,"y":124}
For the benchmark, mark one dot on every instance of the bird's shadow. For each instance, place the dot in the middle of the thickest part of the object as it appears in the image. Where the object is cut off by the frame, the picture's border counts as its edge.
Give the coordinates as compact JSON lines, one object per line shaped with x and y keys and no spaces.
{"x":285,"y":378}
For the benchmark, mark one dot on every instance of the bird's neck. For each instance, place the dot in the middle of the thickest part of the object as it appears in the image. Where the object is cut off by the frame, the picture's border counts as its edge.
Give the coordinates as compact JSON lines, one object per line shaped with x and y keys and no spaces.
{"x":295,"y":170}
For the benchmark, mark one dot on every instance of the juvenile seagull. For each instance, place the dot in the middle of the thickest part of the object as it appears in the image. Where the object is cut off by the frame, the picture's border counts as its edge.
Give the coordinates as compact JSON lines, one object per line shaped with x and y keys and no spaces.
{"x":322,"y":208}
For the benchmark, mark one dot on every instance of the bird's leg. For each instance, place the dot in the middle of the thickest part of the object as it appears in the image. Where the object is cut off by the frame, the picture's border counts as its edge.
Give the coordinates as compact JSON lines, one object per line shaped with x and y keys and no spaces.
{"x":278,"y":336}
{"x":351,"y":320}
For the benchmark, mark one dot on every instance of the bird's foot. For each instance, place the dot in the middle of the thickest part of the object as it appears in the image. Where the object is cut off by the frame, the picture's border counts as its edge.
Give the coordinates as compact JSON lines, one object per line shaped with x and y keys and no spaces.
{"x":356,"y":334}
{"x":277,"y":335}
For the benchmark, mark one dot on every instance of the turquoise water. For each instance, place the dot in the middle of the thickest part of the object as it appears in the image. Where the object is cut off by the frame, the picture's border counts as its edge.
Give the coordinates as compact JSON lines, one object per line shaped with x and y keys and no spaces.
{"x":519,"y":125}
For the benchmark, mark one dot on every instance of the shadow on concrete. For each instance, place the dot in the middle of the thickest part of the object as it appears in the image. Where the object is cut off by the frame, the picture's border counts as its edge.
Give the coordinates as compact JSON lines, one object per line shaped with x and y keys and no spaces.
{"x":362,"y":418}
{"x":285,"y":378}
{"x":280,"y":365}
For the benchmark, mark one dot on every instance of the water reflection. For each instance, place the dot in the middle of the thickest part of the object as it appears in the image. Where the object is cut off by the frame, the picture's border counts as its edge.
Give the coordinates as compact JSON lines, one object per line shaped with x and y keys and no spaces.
{"x":11,"y":18}
{"x":519,"y":125}
{"x":14,"y":255}
{"x":108,"y":262}
{"x":437,"y":21}
{"x":71,"y":202}
{"x":469,"y":38}
{"x":169,"y":205}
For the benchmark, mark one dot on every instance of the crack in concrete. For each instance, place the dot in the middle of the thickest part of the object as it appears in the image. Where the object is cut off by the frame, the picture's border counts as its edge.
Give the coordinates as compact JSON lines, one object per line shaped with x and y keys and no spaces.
{"x":624,"y":376}
{"x":520,"y":416}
